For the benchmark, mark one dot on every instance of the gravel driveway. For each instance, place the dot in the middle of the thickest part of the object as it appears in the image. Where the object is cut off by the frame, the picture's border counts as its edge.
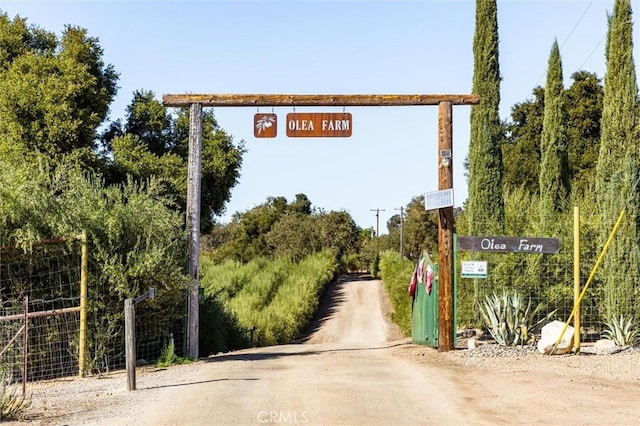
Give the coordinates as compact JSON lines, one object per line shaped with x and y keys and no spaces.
{"x":355,"y":369}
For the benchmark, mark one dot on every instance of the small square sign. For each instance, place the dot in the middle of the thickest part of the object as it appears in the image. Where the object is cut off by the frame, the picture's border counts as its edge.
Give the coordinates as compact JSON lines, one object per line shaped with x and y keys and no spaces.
{"x":474,"y":269}
{"x":265,"y":125}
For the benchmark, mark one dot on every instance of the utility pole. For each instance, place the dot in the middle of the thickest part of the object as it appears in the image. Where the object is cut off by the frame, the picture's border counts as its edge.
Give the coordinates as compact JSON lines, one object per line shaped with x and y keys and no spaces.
{"x":402,"y":210}
{"x":445,"y":232}
{"x":377,"y":220}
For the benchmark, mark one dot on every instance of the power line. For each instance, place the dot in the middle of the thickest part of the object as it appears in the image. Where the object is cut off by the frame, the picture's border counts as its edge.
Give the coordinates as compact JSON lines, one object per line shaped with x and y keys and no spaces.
{"x":569,"y":36}
{"x":576,"y":25}
{"x":593,"y":51}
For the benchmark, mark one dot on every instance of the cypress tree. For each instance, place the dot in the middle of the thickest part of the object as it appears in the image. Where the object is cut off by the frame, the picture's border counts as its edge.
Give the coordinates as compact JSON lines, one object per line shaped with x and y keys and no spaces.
{"x":485,"y":205}
{"x":616,"y":171}
{"x":554,"y":167}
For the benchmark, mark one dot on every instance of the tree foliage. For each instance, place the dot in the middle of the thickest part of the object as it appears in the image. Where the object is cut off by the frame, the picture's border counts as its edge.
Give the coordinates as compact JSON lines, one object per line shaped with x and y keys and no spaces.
{"x":616,"y":172}
{"x":554,"y":173}
{"x":278,"y":228}
{"x":54,"y":92}
{"x":583,"y":103}
{"x":152,"y":142}
{"x":584,"y":110}
{"x":136,"y":240}
{"x":485,"y":202}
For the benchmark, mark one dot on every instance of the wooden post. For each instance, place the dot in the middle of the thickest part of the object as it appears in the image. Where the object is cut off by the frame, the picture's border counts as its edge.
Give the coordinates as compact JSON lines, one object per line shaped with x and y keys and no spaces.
{"x":193,"y":224}
{"x":576,"y":278}
{"x":445,"y":232}
{"x":84,"y":271}
{"x":130,"y":343}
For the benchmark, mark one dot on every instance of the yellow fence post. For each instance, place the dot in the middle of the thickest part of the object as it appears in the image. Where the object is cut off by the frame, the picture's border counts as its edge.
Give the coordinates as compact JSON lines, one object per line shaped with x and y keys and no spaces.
{"x":591,"y":275}
{"x":84,"y":271}
{"x":576,"y":278}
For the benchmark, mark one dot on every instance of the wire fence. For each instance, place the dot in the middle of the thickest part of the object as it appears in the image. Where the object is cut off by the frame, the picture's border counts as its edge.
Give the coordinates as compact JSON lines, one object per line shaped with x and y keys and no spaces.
{"x":40,"y":318}
{"x":39,"y":311}
{"x":548,"y":281}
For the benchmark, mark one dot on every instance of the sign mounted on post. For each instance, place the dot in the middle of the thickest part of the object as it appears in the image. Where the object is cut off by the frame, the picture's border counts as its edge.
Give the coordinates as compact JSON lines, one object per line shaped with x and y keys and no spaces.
{"x":319,"y":125}
{"x":509,"y":244}
{"x":438,"y":199}
{"x":474,"y":269}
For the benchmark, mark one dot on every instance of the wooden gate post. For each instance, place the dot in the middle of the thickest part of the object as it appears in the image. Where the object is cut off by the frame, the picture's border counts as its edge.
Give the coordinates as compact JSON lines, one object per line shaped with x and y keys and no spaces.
{"x":193,"y":225}
{"x":130,"y":343}
{"x":445,"y":231}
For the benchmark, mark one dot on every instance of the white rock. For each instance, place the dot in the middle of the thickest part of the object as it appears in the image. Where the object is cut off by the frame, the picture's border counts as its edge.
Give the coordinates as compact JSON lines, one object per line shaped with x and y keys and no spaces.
{"x":472,"y":343}
{"x":550,"y":334}
{"x":604,"y":346}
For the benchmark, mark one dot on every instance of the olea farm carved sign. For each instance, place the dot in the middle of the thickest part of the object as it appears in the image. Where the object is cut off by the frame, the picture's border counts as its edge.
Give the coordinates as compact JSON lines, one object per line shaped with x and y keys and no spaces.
{"x":305,"y":125}
{"x":509,"y":244}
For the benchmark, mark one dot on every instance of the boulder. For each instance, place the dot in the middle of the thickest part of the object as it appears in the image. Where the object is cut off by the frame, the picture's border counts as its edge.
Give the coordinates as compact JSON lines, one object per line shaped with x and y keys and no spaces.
{"x":550,"y":334}
{"x":604,"y":346}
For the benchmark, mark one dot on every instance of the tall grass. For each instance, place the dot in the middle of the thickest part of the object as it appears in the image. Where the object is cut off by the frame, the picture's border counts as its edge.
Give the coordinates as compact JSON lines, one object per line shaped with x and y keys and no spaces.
{"x":396,"y":275}
{"x":276,"y":299}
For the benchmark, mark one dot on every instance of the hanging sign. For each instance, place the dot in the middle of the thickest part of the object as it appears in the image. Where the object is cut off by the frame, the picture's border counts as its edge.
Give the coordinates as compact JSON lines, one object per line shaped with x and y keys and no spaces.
{"x":509,"y":244}
{"x":319,"y":125}
{"x":265,"y":125}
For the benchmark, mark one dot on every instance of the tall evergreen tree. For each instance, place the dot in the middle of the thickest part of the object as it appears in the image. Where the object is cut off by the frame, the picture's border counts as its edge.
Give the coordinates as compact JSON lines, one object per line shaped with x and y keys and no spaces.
{"x":485,"y":203}
{"x":554,"y":168}
{"x":616,"y":171}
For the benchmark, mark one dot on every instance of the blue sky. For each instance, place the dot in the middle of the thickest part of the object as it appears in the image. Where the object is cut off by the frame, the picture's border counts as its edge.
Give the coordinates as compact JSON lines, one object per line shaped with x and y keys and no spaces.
{"x":333,"y":47}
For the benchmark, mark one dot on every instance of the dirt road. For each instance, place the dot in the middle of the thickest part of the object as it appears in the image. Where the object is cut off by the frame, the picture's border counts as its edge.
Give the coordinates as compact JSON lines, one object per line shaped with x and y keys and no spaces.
{"x":352,"y":370}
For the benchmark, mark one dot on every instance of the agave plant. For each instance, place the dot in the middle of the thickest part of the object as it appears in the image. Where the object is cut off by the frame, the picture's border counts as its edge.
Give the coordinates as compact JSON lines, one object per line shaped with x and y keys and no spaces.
{"x":508,"y":320}
{"x":622,"y":332}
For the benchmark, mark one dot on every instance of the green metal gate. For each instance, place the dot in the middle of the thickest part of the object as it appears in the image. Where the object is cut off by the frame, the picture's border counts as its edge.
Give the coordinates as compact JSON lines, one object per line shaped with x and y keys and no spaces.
{"x":424,"y":316}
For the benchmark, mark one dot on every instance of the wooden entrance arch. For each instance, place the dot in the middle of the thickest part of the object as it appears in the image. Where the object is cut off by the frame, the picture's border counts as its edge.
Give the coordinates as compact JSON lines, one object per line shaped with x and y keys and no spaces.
{"x":196,"y":102}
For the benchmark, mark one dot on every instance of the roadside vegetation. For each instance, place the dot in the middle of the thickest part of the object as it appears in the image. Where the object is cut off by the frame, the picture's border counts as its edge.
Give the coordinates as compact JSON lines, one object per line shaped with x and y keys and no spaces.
{"x":65,"y":167}
{"x":396,"y":274}
{"x":266,"y":302}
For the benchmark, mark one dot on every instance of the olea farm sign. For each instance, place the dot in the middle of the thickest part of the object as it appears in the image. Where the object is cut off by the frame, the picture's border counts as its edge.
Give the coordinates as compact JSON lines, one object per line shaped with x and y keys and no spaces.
{"x":305,"y":125}
{"x":509,"y":244}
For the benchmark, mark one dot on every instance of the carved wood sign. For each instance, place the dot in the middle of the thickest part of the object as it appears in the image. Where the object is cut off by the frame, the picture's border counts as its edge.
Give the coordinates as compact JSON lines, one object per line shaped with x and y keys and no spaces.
{"x":319,"y":125}
{"x":509,"y":244}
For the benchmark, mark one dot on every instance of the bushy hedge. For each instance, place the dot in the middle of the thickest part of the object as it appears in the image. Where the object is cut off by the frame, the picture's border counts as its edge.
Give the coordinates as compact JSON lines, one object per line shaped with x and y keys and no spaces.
{"x":396,"y":274}
{"x":275,"y":299}
{"x":136,"y":240}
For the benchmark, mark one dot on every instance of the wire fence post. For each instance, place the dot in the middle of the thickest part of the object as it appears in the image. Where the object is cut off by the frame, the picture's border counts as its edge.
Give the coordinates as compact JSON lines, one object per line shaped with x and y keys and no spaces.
{"x":84,"y":271}
{"x":130,"y":343}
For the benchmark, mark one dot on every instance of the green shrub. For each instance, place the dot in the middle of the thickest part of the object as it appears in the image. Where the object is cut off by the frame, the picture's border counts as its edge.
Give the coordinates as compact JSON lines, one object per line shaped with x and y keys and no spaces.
{"x":168,"y":356}
{"x":274,"y":300}
{"x":396,"y":274}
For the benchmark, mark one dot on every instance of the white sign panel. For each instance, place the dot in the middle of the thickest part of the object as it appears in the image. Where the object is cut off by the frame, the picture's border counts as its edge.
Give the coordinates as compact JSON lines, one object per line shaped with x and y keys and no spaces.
{"x":474,"y":269}
{"x":438,"y":199}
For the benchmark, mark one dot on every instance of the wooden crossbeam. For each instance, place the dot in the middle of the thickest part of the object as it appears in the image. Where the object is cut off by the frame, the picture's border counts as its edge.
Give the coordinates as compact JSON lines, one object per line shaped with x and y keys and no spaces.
{"x":230,"y":100}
